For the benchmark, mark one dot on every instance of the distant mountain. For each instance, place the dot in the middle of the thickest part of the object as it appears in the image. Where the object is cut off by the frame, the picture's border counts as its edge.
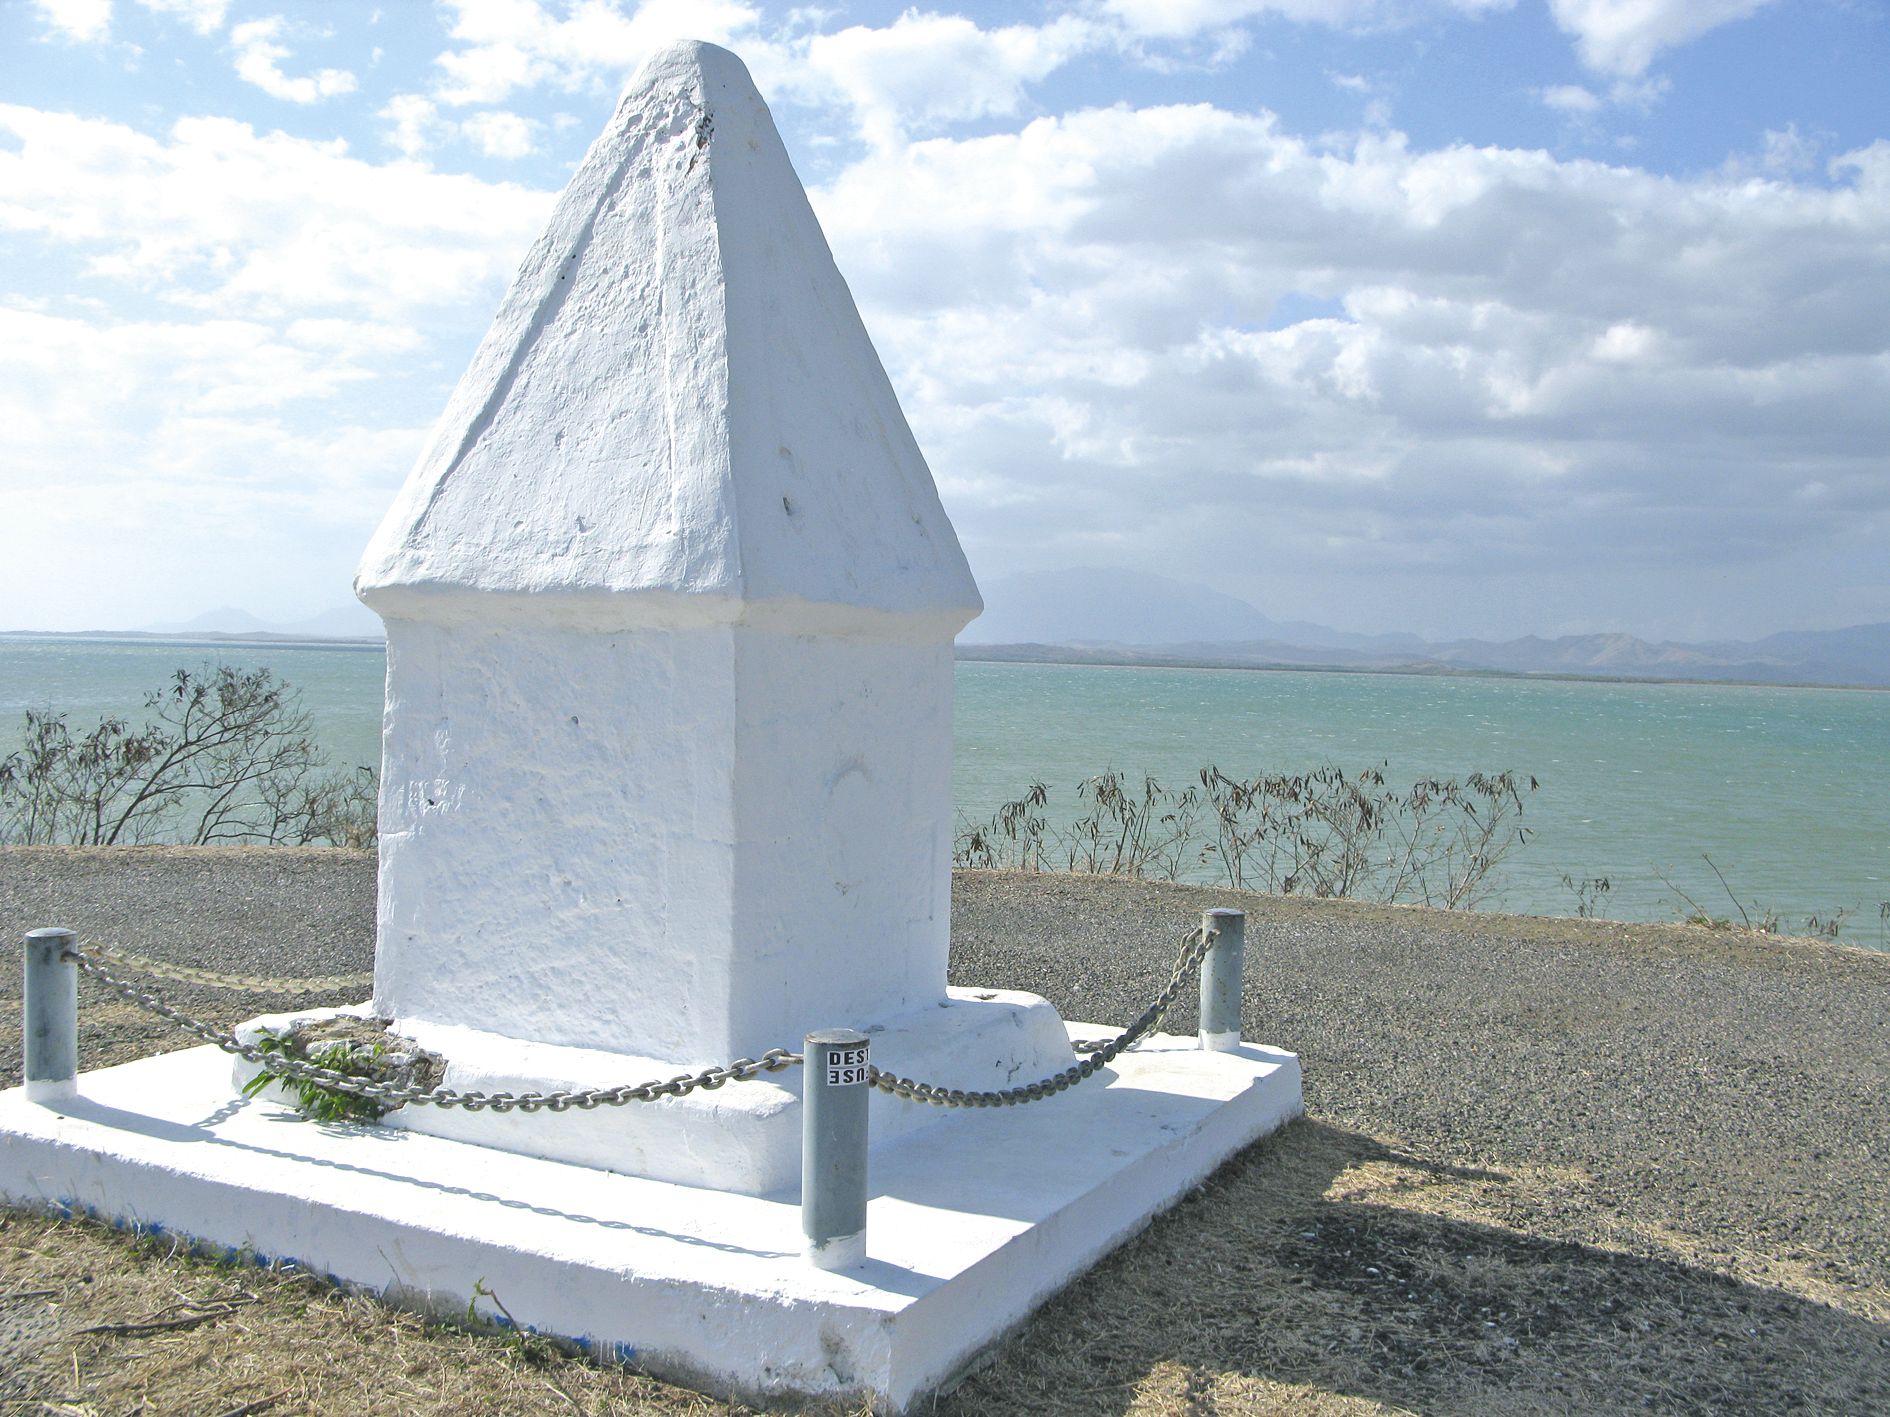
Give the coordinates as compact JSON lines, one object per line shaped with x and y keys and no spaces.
{"x":1095,"y":615}
{"x":225,"y":620}
{"x":344,"y":622}
{"x":1858,"y":655}
{"x":1096,"y":606}
{"x":1126,"y":617}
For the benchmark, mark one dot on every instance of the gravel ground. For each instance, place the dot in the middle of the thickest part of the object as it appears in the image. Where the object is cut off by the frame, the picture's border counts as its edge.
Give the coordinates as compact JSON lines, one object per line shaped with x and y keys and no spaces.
{"x":275,"y":911}
{"x":1732,"y":1087}
{"x":1548,"y":1166}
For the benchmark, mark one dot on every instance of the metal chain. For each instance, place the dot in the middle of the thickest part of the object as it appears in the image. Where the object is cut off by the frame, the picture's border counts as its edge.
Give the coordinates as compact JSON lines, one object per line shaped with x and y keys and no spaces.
{"x":241,"y":983}
{"x":1194,"y":949}
{"x":392,"y":1095}
{"x":93,"y":960}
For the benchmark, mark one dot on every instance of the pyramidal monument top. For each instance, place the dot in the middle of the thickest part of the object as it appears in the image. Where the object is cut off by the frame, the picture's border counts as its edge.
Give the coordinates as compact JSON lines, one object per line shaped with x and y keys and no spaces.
{"x":677,"y":416}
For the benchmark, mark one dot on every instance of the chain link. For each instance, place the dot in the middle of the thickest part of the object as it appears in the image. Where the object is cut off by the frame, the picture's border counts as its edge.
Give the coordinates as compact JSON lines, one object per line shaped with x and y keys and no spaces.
{"x":1194,"y":949}
{"x":240,"y":983}
{"x":391,"y":1095}
{"x":97,"y":960}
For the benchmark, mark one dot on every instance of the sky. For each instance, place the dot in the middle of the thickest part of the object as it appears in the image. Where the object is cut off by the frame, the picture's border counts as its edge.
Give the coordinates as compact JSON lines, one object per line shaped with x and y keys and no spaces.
{"x":1463,"y":317}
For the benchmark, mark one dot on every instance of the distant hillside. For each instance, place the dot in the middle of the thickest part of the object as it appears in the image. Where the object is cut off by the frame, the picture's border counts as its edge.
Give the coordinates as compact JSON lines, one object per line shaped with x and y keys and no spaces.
{"x":1094,"y":606}
{"x":1101,"y":616}
{"x":1124,"y":617}
{"x":352,"y":621}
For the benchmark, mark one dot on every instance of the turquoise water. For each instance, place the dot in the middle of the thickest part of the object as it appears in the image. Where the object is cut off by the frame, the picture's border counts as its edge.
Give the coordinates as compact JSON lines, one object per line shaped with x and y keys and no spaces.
{"x":1787,"y":789}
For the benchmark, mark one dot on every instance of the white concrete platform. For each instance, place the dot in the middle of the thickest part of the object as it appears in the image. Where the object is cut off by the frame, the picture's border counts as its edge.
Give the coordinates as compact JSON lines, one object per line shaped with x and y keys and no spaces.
{"x":745,"y":1138}
{"x":971,"y":1225}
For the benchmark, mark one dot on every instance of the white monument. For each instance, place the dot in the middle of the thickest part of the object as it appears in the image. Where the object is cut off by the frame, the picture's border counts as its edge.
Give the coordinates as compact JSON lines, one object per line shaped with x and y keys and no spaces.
{"x":670,"y":601}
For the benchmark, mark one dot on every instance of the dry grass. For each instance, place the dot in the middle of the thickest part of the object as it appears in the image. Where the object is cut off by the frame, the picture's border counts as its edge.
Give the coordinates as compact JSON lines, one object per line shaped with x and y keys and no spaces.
{"x":1321,"y":1273}
{"x":97,"y":1322}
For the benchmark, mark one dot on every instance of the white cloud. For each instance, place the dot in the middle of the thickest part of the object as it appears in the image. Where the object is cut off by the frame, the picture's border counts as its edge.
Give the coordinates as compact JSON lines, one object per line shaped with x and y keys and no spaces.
{"x":1179,"y":19}
{"x":255,"y":415}
{"x":57,"y":364}
{"x":414,"y":123}
{"x":90,"y":20}
{"x":919,"y":73}
{"x":415,"y":127}
{"x":81,"y":20}
{"x":1623,"y":37}
{"x":207,"y":436}
{"x":505,"y":45}
{"x":501,"y":134}
{"x":204,"y":16}
{"x":259,"y":56}
{"x":1543,"y":367}
{"x":1577,"y":103}
{"x":217,"y":216}
{"x":925,"y":70}
{"x":1788,"y":153}
{"x":1570,"y":98}
{"x":1136,"y":335}
{"x":1625,"y":343}
{"x":1640,"y":93}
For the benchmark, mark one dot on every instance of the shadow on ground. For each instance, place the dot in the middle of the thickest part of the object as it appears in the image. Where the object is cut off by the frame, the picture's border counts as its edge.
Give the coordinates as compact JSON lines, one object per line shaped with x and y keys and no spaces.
{"x":1324,"y":1271}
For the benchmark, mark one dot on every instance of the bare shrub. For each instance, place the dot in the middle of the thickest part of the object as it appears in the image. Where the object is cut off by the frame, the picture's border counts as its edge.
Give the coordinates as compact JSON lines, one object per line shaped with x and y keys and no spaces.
{"x":1129,"y":833}
{"x":1013,"y":838}
{"x":224,"y":756}
{"x":1324,"y":833}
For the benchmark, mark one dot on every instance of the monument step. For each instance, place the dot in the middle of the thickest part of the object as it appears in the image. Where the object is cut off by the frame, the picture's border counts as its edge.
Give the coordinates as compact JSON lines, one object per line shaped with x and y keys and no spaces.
{"x":744,"y":1137}
{"x":971,"y":1222}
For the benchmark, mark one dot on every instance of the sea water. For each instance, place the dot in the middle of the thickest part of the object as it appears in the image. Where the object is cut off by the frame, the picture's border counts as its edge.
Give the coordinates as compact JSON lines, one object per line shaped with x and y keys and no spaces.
{"x":1786,"y":789}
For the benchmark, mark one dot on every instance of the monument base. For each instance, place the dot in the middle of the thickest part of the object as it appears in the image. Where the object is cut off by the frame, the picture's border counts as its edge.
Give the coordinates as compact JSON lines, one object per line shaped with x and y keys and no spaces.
{"x":973,"y":1222}
{"x":744,"y":1137}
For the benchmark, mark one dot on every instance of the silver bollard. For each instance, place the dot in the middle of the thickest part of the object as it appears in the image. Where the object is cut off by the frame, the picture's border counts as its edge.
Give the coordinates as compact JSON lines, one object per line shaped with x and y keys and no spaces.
{"x":52,"y":1017}
{"x":1221,"y":975}
{"x":833,"y":1148}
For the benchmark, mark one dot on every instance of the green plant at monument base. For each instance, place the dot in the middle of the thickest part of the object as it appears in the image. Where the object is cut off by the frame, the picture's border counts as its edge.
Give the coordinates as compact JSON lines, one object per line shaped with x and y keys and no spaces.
{"x":526,"y":1345}
{"x":313,"y":1099}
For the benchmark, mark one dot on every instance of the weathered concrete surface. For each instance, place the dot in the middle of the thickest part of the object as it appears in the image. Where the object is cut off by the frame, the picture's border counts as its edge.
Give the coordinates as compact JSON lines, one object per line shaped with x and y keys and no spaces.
{"x":745,"y":1139}
{"x":670,"y":600}
{"x":971,"y":1223}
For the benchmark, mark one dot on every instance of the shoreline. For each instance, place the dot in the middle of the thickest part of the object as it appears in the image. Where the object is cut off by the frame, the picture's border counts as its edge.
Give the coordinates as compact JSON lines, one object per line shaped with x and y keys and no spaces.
{"x":970,"y":654}
{"x":993,"y":654}
{"x":1731,"y":937}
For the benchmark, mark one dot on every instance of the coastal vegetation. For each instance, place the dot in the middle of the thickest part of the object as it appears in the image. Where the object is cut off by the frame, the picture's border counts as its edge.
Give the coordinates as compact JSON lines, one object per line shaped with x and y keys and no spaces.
{"x":1325,"y":832}
{"x":1756,"y":918}
{"x":220,"y":756}
{"x":231,"y":755}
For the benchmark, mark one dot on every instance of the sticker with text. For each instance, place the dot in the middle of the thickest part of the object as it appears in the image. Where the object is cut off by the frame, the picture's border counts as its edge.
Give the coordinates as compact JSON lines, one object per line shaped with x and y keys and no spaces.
{"x":846,"y":1066}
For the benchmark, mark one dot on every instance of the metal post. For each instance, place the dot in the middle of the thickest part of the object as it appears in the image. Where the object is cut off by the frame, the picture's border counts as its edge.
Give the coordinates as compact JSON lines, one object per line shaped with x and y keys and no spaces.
{"x":52,"y":1016}
{"x":1220,"y":980}
{"x":833,"y":1148}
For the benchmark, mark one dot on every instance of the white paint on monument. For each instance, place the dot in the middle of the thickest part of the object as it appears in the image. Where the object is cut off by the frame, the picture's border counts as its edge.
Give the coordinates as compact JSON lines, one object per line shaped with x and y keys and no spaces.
{"x":670,"y":601}
{"x":969,"y":1227}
